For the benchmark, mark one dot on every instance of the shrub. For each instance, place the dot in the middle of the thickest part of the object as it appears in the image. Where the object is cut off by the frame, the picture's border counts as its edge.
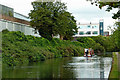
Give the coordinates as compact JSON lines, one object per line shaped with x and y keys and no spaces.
{"x":88,"y":42}
{"x":18,"y":48}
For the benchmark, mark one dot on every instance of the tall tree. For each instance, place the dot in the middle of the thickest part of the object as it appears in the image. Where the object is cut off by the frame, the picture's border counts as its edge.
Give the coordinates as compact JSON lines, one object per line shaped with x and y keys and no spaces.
{"x":72,"y":28}
{"x":51,"y":18}
{"x":66,"y":25}
{"x":43,"y":17}
{"x":116,"y":36}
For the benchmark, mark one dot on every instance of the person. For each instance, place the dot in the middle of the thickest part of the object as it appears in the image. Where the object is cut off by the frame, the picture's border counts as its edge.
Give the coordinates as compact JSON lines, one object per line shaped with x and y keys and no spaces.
{"x":87,"y":53}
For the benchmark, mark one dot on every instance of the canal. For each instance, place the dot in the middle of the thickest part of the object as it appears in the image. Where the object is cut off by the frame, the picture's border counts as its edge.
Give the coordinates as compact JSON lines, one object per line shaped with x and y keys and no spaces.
{"x":68,"y":67}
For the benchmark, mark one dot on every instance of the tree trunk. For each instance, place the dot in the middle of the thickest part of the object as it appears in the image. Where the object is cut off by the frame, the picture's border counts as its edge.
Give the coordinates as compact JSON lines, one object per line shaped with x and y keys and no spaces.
{"x":61,"y":37}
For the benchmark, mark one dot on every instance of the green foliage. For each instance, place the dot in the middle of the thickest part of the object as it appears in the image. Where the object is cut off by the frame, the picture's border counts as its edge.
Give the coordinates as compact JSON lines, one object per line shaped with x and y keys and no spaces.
{"x":115,"y":37}
{"x":88,"y":42}
{"x":109,"y":43}
{"x":18,"y":48}
{"x":98,"y":48}
{"x":51,"y":18}
{"x":102,"y":43}
{"x":66,"y":25}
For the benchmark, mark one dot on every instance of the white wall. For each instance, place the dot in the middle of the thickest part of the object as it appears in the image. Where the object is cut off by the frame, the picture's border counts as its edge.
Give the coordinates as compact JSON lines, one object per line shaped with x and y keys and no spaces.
{"x":83,"y":28}
{"x":15,"y":26}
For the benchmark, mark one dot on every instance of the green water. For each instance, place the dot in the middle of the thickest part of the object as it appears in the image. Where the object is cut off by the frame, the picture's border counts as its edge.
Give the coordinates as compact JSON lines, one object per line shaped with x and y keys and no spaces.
{"x":69,"y":67}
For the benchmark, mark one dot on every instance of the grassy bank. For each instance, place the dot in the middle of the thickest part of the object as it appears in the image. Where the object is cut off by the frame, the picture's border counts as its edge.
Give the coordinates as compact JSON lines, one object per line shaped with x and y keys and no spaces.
{"x":114,"y":71}
{"x":18,"y":48}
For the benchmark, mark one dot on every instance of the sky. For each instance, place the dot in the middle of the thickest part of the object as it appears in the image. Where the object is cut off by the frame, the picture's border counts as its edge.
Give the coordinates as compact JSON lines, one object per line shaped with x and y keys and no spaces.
{"x":82,"y":10}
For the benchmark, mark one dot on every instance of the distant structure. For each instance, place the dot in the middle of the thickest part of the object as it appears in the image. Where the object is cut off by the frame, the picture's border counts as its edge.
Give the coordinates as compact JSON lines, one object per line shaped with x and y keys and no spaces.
{"x":90,"y":29}
{"x":101,"y":27}
{"x":14,"y":21}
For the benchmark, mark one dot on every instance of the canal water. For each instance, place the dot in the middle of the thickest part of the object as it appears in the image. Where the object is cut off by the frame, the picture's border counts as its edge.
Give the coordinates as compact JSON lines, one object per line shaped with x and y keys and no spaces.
{"x":68,"y":67}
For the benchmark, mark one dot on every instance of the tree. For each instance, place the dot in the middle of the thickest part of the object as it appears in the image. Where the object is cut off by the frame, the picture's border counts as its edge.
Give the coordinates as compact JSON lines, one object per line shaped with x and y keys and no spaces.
{"x":88,"y":42}
{"x":43,"y":17}
{"x":116,"y":36}
{"x":72,"y":29}
{"x":51,"y":18}
{"x":66,"y":25}
{"x":110,"y":6}
{"x":106,"y":42}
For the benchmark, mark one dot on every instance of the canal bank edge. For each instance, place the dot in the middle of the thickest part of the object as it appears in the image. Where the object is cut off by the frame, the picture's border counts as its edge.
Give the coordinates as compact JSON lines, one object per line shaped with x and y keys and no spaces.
{"x":114,"y":73}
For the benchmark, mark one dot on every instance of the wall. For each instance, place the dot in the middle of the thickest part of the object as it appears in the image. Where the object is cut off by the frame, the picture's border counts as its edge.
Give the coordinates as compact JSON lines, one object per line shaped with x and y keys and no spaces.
{"x":15,"y":26}
{"x":20,"y":16}
{"x":13,"y":19}
{"x":85,"y":28}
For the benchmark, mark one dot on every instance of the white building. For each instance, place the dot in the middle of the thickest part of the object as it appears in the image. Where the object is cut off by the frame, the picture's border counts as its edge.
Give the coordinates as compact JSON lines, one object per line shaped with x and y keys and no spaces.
{"x":90,"y":29}
{"x":14,"y":21}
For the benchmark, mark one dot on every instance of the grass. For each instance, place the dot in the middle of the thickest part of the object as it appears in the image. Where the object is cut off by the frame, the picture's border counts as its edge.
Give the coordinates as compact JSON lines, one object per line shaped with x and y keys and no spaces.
{"x":114,"y":71}
{"x":118,"y":69}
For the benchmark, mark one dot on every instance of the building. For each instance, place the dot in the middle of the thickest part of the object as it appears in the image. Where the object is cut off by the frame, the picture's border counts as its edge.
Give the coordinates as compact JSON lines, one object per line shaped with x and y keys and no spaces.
{"x":90,"y":29}
{"x":14,"y":21}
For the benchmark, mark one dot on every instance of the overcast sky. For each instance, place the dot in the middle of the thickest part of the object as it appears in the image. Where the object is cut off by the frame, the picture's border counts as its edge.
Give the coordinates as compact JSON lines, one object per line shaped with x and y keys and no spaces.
{"x":82,"y":10}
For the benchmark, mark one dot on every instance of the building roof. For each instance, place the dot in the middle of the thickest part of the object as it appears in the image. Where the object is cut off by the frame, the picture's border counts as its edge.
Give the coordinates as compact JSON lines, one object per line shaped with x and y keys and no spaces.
{"x":8,"y":10}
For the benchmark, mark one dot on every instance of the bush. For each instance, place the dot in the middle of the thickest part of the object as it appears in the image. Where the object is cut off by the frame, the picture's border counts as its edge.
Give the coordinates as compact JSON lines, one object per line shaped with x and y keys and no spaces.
{"x":107,"y":42}
{"x":98,"y":48}
{"x":88,"y":42}
{"x":18,"y":48}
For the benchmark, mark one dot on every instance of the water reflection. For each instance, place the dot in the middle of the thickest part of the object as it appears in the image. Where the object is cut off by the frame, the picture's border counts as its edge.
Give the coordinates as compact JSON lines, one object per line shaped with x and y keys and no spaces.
{"x":70,"y":67}
{"x":95,"y":67}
